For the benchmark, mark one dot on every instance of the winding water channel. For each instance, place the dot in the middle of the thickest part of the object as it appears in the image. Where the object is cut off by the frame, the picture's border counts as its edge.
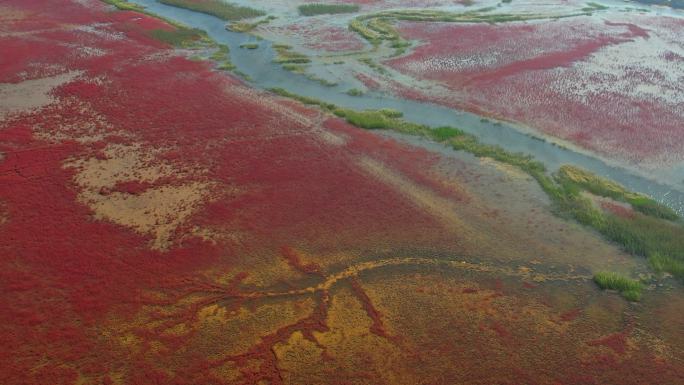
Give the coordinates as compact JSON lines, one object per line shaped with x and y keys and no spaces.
{"x":258,"y":64}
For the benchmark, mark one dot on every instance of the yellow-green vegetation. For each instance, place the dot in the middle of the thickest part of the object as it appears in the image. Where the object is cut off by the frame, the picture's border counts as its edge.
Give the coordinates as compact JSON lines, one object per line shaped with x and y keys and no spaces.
{"x":441,"y":134}
{"x":359,"y":27}
{"x":221,"y":54}
{"x":375,"y":66}
{"x":243,"y":26}
{"x":182,"y":37}
{"x":645,"y":234}
{"x":243,"y":75}
{"x":226,"y":66}
{"x":371,"y":119}
{"x":222,"y":57}
{"x":218,"y":8}
{"x":322,"y":81}
{"x":379,"y":27}
{"x":606,"y":188}
{"x":303,"y":99}
{"x":301,"y":69}
{"x":285,"y":55}
{"x":354,"y":92}
{"x":400,"y":46}
{"x":125,"y":6}
{"x":629,"y":288}
{"x":326,"y":9}
{"x":662,"y":264}
{"x":594,"y":7}
{"x":249,"y":45}
{"x":295,"y":68}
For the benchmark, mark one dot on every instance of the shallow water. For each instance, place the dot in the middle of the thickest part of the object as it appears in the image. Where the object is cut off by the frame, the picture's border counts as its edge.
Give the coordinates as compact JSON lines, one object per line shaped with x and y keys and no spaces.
{"x":677,"y":4}
{"x":258,"y":64}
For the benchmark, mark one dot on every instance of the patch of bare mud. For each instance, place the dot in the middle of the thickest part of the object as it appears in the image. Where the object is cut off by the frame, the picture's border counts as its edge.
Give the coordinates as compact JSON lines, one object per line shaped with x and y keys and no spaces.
{"x":154,"y":209}
{"x":30,"y":94}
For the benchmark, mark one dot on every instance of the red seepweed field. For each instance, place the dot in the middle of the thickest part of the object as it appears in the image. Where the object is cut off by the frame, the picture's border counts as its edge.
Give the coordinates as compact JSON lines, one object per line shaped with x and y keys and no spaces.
{"x":164,"y":223}
{"x":608,"y":84}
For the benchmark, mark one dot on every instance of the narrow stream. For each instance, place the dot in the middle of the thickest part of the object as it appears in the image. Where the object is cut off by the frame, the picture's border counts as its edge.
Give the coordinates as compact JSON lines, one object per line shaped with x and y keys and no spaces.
{"x":258,"y":64}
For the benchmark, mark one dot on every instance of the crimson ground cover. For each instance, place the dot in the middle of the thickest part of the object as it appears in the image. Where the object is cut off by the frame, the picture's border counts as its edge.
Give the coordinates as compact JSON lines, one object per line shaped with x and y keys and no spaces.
{"x":64,"y":271}
{"x":612,"y":87}
{"x":163,"y":223}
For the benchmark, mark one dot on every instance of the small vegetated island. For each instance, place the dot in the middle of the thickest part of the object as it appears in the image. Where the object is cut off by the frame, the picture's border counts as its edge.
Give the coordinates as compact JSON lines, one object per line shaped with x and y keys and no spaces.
{"x":219,"y":8}
{"x":327,"y":9}
{"x":164,"y":221}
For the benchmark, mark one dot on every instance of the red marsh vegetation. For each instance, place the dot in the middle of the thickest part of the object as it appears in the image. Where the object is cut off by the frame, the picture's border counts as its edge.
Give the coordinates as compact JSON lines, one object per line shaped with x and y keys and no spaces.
{"x":608,"y":86}
{"x":163,"y":223}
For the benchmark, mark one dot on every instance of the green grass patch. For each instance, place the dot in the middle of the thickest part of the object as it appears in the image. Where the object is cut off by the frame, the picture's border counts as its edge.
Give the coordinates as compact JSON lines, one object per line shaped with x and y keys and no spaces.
{"x":221,"y":54}
{"x":226,"y":66}
{"x":629,"y":288}
{"x":243,"y":26}
{"x":594,"y":7}
{"x":295,"y":68}
{"x":243,"y":75}
{"x":371,"y":119}
{"x":359,"y":27}
{"x":218,"y":8}
{"x":379,"y":27}
{"x":249,"y":45}
{"x":665,"y":264}
{"x":303,"y":99}
{"x":285,"y":55}
{"x":354,"y":92}
{"x":442,"y":134}
{"x":650,"y":207}
{"x":322,"y":81}
{"x":125,"y":6}
{"x":609,"y":189}
{"x":400,"y":46}
{"x":375,"y":66}
{"x":326,"y":9}
{"x":182,"y":37}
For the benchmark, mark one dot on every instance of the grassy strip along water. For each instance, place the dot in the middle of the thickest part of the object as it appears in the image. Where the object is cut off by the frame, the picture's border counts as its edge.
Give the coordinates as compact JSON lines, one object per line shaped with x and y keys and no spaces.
{"x":222,"y":10}
{"x":326,"y":9}
{"x":653,"y":230}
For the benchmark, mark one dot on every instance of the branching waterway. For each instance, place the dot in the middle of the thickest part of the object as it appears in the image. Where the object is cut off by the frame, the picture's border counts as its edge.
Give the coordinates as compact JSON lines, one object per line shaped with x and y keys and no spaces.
{"x":264,"y":73}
